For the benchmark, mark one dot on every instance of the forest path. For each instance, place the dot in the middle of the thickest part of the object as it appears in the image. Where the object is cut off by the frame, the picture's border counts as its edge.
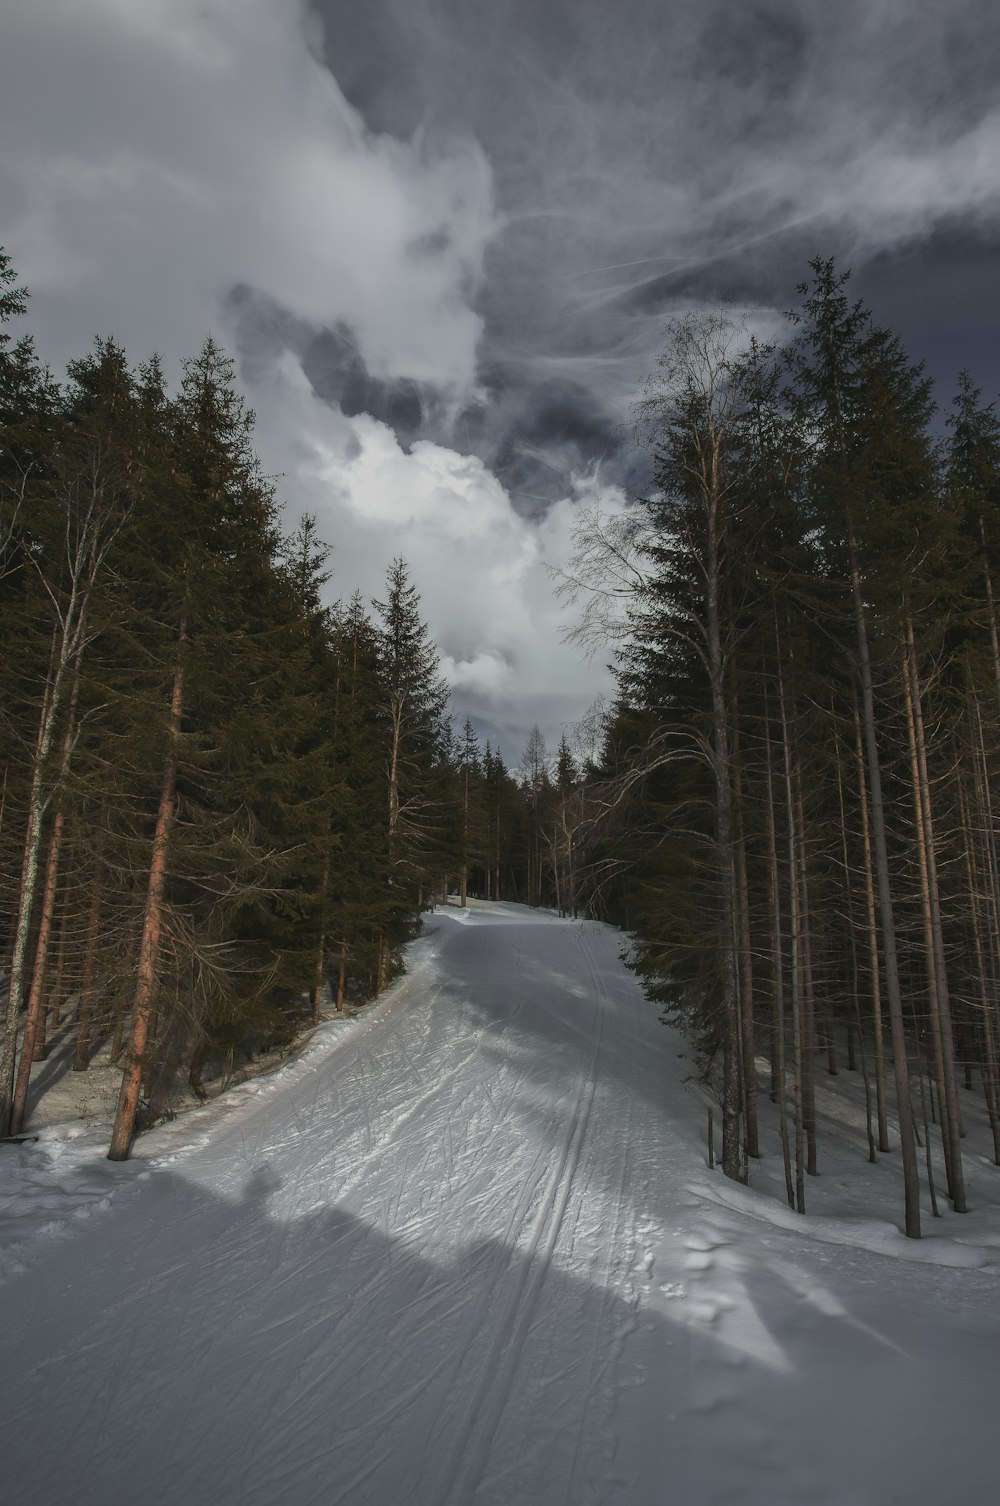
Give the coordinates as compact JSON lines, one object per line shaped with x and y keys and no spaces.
{"x":473,"y":1256}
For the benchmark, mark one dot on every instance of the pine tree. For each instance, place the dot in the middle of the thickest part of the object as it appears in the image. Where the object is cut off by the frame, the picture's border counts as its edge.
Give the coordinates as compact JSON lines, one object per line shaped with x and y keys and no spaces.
{"x":469,"y":769}
{"x":414,"y":701}
{"x":81,"y":500}
{"x":867,"y":407}
{"x":363,"y":905}
{"x":217,"y":841}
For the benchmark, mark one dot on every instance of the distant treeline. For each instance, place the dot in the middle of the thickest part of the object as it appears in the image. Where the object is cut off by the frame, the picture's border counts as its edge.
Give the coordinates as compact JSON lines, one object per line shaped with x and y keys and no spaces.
{"x":796,"y":818}
{"x":221,"y":801}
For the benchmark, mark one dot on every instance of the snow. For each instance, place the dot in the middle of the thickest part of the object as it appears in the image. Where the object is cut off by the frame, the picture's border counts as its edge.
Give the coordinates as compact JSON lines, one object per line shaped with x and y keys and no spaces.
{"x":466,"y":1249}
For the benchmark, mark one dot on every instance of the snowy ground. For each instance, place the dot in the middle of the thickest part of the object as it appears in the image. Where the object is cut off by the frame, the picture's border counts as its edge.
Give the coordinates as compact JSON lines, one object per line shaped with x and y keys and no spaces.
{"x":466,"y":1250}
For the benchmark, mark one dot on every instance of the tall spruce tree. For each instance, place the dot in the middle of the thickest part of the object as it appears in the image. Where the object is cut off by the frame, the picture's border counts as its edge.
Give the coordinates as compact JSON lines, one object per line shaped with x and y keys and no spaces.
{"x":867,"y":407}
{"x":414,"y":698}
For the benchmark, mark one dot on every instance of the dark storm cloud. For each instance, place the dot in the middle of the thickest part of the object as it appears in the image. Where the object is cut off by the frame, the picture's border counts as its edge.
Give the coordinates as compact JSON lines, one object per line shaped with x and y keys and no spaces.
{"x":648,"y":155}
{"x":552,"y":430}
{"x":443,"y":236}
{"x":332,"y":361}
{"x":338,"y":373}
{"x":954,"y":319}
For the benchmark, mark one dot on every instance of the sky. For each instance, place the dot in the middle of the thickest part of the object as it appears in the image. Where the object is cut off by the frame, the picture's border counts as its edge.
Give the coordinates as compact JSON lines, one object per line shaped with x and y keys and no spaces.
{"x":442,"y":239}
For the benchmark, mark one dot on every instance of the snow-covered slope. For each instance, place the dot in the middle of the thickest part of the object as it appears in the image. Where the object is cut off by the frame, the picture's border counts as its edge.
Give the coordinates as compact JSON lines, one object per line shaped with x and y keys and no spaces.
{"x":467,"y":1251}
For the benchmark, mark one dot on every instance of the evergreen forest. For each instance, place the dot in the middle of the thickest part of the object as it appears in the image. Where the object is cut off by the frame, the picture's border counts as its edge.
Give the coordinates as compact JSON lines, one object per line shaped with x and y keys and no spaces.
{"x":794,"y":816}
{"x":225,"y":803}
{"x":222,"y":800}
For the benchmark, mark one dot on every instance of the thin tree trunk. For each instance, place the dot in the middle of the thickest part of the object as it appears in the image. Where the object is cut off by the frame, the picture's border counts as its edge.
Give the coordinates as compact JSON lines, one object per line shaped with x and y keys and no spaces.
{"x":776,"y":1015}
{"x":463,"y":881}
{"x":149,"y":946}
{"x":118,"y":1033}
{"x":38,"y":802}
{"x":341,"y":977}
{"x":808,"y":1001}
{"x":570,"y":831}
{"x":855,"y":985}
{"x":777,"y":981}
{"x":90,"y":526}
{"x":988,"y":845}
{"x":36,"y":994}
{"x":936,"y":959}
{"x":732,"y":1085}
{"x":56,"y":992}
{"x":933,"y":1012}
{"x":795,"y":972}
{"x":745,"y":956}
{"x":989,"y":1073}
{"x":319,"y":978}
{"x":911,"y":1182}
{"x":395,"y":738}
{"x":991,"y":610}
{"x":927,"y":1139}
{"x":873,"y":949}
{"x":85,"y":1005}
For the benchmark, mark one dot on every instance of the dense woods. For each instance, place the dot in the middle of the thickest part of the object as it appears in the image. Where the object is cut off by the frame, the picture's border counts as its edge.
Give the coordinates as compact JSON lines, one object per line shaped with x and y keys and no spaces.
{"x":798,"y":825}
{"x":224,"y":803}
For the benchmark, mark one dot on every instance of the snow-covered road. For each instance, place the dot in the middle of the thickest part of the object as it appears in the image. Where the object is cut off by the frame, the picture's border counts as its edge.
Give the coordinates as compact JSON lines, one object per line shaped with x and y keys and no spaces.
{"x":470,"y":1253}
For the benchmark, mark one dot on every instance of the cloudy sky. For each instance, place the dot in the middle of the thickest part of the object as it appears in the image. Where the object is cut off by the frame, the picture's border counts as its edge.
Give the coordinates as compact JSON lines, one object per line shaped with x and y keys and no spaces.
{"x":442,"y":237}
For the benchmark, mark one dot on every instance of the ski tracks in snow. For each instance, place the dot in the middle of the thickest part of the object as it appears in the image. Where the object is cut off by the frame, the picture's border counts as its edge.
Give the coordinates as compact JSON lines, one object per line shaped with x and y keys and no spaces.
{"x":399,"y":1278}
{"x":515,"y":1185}
{"x":502,"y":1356}
{"x":471,"y":1257}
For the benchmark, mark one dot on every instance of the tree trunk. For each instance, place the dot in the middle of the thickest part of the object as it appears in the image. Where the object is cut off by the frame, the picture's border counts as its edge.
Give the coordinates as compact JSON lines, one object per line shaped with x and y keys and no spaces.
{"x":732,"y":1086}
{"x":939,"y":992}
{"x":796,"y":949}
{"x":36,"y":995}
{"x":341,"y":977}
{"x":873,"y":950}
{"x":990,"y":862}
{"x":90,"y":526}
{"x":855,"y":982}
{"x":927,"y":1141}
{"x":911,"y":1182}
{"x":319,"y":978}
{"x":808,"y":998}
{"x":745,"y":956}
{"x":85,"y":1004}
{"x":67,"y":649}
{"x":937,"y":926}
{"x":991,"y":610}
{"x":149,"y":946}
{"x":986,"y":1004}
{"x":777,"y":981}
{"x":463,"y":880}
{"x":57,"y":991}
{"x":38,"y":802}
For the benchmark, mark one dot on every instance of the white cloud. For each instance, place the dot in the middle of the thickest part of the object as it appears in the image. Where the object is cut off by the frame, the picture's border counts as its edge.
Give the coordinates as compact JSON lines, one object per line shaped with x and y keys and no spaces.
{"x":894,"y":190}
{"x":156,"y":153}
{"x":480,"y":566}
{"x":153,"y":154}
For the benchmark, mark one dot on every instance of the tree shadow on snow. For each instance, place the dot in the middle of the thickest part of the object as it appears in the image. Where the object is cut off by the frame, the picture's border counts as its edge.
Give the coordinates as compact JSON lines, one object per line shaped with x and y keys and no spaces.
{"x":270,"y":1346}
